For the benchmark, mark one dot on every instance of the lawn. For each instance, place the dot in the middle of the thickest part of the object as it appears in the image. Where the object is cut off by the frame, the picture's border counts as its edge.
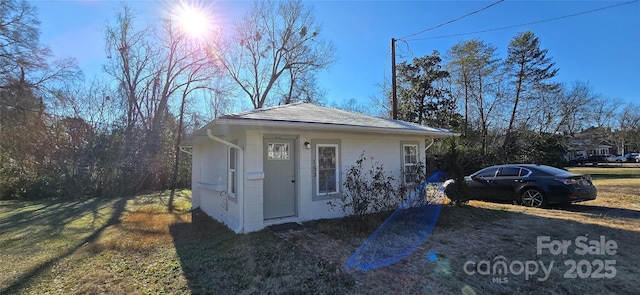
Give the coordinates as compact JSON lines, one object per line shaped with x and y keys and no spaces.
{"x":139,"y":245}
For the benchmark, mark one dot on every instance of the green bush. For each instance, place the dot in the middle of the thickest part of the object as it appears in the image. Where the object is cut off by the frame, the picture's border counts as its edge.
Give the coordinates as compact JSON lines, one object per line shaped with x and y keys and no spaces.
{"x":457,"y":191}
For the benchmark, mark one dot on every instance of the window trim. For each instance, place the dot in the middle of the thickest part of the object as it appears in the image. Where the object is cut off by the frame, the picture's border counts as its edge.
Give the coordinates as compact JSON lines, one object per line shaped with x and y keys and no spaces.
{"x":335,"y":174}
{"x":404,"y":164}
{"x":232,"y":182}
{"x":315,"y":169}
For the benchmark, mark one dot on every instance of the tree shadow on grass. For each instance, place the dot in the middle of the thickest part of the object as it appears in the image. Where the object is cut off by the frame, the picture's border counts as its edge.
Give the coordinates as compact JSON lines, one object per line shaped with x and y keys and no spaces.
{"x":215,"y":260}
{"x":207,"y":250}
{"x":51,"y":213}
{"x":54,"y":215}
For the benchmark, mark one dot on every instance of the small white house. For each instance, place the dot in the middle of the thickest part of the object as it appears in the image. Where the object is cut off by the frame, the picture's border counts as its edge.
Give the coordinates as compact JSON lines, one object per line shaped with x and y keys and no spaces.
{"x":282,"y":164}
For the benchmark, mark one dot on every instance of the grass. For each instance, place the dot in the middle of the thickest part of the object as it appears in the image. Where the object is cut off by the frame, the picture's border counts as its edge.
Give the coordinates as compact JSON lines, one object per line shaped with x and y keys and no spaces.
{"x":485,"y":231}
{"x":608,"y":172}
{"x":136,"y":245}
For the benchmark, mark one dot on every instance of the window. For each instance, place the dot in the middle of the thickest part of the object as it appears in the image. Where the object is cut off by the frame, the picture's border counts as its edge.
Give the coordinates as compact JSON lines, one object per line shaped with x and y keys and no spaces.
{"x":489,"y":172}
{"x":409,"y":162}
{"x":278,"y":151}
{"x":326,"y":169}
{"x":231,"y":181}
{"x":509,"y":172}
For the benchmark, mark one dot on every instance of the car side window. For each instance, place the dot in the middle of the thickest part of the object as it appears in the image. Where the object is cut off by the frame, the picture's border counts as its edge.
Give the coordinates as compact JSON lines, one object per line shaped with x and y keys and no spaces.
{"x":509,"y":172}
{"x":525,"y":172}
{"x":491,"y":172}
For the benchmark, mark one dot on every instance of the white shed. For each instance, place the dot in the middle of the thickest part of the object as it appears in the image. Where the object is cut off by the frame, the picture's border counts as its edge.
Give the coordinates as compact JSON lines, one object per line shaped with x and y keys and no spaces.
{"x":282,"y":164}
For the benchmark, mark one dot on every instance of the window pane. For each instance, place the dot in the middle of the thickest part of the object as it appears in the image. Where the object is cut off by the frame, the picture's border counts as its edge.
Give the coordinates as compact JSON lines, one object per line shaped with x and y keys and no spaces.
{"x":327,"y":181}
{"x":488,"y":172}
{"x":410,"y":154}
{"x":233,"y":182}
{"x":278,"y":151}
{"x":232,"y":158}
{"x":327,"y":169}
{"x":410,"y":149}
{"x":327,"y":157}
{"x":509,"y":171}
{"x":410,"y":175}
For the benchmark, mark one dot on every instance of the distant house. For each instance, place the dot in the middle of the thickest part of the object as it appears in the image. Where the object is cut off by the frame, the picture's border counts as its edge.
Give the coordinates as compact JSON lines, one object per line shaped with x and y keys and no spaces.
{"x":586,"y":144}
{"x":282,"y":164}
{"x":587,"y":147}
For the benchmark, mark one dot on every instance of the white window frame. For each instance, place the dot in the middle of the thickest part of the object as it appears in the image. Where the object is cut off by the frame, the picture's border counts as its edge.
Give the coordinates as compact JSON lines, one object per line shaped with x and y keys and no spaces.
{"x":336,"y":173}
{"x":232,"y":175}
{"x":405,"y":164}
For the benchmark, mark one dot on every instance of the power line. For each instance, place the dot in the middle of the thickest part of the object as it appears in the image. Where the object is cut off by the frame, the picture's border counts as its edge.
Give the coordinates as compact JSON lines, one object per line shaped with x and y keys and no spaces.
{"x":526,"y":24}
{"x":453,"y":20}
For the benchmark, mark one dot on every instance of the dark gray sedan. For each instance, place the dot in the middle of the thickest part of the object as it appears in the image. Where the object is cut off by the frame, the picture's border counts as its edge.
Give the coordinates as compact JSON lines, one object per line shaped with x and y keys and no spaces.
{"x":529,"y":185}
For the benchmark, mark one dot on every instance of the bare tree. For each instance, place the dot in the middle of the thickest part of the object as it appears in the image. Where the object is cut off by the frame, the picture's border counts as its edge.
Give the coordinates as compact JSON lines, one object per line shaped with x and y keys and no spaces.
{"x":480,"y":80}
{"x":629,"y":124}
{"x":567,"y":111}
{"x":353,"y":105}
{"x":300,"y":85}
{"x":20,"y":48}
{"x":31,"y":84}
{"x":157,"y":70}
{"x":381,"y":103}
{"x":273,"y":39}
{"x":627,"y":121}
{"x":131,"y":54}
{"x":188,"y":68}
{"x":218,"y":100}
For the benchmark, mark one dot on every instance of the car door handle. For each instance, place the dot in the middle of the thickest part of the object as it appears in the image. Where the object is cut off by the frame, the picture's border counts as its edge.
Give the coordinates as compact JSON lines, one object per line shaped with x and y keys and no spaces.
{"x":293,"y":180}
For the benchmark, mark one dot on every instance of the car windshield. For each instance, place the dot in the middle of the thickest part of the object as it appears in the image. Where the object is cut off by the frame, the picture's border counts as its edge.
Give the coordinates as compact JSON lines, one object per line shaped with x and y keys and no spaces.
{"x":552,"y":170}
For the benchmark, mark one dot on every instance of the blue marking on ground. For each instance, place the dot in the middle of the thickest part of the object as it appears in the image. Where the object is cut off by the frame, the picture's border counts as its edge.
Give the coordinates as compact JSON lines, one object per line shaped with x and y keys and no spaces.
{"x":402,"y":232}
{"x":432,"y":256}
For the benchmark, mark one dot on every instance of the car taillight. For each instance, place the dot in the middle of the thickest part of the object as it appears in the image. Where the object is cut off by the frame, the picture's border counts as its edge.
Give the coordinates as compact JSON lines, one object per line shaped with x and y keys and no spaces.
{"x":569,"y":181}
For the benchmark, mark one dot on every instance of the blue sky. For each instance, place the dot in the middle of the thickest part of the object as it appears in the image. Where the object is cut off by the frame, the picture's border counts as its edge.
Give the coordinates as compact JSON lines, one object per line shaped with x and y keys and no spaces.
{"x":601,"y":48}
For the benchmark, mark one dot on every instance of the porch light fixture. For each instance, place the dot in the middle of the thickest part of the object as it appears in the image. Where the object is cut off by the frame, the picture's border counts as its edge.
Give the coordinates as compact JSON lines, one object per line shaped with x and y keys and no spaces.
{"x":307,"y":145}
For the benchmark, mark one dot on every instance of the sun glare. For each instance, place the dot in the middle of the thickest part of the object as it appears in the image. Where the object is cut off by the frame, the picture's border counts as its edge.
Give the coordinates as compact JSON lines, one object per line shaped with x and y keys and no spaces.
{"x":193,"y":21}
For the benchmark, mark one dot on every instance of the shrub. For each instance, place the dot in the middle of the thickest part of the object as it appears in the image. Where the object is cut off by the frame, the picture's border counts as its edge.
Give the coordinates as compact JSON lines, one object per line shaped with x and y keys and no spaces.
{"x":376,"y":190}
{"x":456,"y":190}
{"x":367,"y":192}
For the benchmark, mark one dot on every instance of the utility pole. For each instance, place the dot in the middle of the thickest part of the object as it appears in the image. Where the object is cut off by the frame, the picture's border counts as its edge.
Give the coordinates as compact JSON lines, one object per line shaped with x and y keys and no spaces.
{"x":394,"y":98}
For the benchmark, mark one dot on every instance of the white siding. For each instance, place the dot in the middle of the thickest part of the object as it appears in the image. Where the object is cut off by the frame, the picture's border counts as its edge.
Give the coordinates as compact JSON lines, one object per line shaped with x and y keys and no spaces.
{"x":383,"y":149}
{"x":210,"y":173}
{"x":211,"y":184}
{"x":196,"y":159}
{"x":253,"y":194}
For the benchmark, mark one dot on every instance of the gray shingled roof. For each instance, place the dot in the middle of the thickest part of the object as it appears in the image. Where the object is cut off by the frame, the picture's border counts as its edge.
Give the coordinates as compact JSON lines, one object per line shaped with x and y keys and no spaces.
{"x":306,"y":113}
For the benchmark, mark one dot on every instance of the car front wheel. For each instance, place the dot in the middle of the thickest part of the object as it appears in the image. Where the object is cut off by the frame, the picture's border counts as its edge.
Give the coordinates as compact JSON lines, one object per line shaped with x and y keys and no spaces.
{"x":532,"y":198}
